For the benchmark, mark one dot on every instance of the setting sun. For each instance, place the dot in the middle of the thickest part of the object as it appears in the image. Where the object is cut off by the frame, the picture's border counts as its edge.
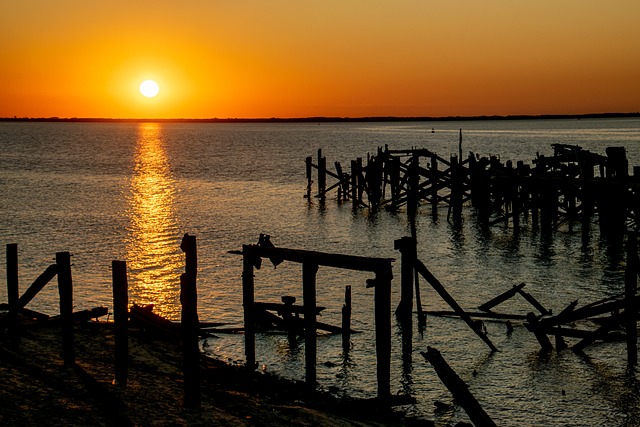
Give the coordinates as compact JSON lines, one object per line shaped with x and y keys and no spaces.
{"x":149,"y":88}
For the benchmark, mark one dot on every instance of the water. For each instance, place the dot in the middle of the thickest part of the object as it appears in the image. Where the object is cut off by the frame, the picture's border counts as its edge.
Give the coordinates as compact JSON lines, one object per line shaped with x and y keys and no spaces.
{"x":130,"y":191}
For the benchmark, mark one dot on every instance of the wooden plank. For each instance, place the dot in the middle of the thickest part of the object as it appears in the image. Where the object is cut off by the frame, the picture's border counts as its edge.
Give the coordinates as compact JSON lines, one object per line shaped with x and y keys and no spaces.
{"x":348,"y":262}
{"x":435,"y":283}
{"x":37,"y":285}
{"x":501,"y":298}
{"x":458,"y":388}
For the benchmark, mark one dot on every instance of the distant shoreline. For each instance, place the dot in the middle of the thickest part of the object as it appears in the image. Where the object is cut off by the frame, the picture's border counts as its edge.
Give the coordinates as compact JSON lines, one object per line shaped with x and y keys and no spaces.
{"x":325,"y":119}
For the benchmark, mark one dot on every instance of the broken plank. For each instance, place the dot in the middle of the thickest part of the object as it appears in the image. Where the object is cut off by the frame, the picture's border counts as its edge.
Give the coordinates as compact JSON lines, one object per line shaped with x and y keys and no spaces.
{"x":458,"y":388}
{"x":501,"y":298}
{"x":435,"y":283}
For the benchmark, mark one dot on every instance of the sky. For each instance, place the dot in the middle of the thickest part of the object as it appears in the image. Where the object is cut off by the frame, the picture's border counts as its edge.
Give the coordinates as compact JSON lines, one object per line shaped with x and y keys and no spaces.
{"x":344,"y":58}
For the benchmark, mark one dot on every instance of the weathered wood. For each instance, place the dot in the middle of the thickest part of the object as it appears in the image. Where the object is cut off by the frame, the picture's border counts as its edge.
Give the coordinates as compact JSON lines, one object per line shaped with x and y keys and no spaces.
{"x":534,"y":326}
{"x":248,"y":295}
{"x":534,"y":302}
{"x":37,"y":285}
{"x":281,"y":308}
{"x":458,"y":388}
{"x":190,"y":347}
{"x":382,"y":304}
{"x":146,"y":318}
{"x":501,"y":298}
{"x":120,"y":320}
{"x":12,"y":279}
{"x":65,"y":290}
{"x":76,"y":316}
{"x":348,"y":262}
{"x":630,"y":288}
{"x":346,"y":319}
{"x":481,"y":315}
{"x":407,"y":248}
{"x":600,"y":333}
{"x":309,"y":271}
{"x":440,"y":289}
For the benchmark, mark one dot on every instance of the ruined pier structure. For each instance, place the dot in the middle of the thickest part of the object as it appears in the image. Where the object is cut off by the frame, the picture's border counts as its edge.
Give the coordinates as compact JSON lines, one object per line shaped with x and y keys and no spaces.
{"x":567,"y":188}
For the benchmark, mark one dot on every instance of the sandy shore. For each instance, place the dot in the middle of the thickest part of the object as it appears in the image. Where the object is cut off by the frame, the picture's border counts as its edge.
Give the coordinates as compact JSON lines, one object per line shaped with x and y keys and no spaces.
{"x":39,"y":390}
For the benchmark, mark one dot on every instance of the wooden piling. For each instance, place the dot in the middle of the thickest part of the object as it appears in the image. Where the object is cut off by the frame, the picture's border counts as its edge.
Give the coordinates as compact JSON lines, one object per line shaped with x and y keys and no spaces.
{"x":248,"y":298}
{"x":383,"y":331}
{"x":346,"y":320}
{"x":13,"y":291}
{"x":309,"y":271}
{"x":322,"y":175}
{"x":630,"y":287}
{"x":434,"y":186}
{"x":308,"y":163}
{"x":458,"y":388}
{"x":120,"y":320}
{"x":65,"y":290}
{"x":407,"y":248}
{"x":190,"y":347}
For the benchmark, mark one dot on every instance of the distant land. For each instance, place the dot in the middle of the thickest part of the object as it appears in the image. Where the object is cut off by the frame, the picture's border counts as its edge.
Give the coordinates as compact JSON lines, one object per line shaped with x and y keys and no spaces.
{"x":325,"y":119}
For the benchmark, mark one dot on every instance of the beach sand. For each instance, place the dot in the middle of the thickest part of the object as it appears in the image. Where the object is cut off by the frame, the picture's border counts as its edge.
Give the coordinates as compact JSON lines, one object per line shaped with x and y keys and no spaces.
{"x":38,"y":389}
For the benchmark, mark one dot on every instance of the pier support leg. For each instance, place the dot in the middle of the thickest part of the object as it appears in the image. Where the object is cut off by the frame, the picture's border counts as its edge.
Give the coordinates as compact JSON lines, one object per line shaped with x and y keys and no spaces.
{"x":120,"y":320}
{"x":65,"y":290}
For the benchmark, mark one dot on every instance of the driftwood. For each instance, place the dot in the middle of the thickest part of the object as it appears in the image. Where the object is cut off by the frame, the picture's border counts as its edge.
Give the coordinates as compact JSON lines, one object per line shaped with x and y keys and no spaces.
{"x":458,"y":388}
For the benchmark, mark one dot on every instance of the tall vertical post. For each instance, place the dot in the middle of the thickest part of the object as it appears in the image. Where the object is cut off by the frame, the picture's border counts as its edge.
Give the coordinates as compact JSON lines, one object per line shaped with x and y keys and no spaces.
{"x":322,"y":175}
{"x":414,"y":182}
{"x":190,"y":323}
{"x":120,"y":320}
{"x":308,"y":162}
{"x":354,"y":184}
{"x":434,"y":185}
{"x":247,"y":303}
{"x":630,"y":287}
{"x":456,"y":188}
{"x":65,"y":290}
{"x":382,"y":304}
{"x":13,"y":293}
{"x":346,"y":319}
{"x":407,"y":248}
{"x":309,"y":271}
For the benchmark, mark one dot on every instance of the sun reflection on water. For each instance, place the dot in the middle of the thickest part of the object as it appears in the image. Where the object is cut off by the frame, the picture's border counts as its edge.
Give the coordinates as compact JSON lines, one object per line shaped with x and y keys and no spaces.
{"x":153,"y":252}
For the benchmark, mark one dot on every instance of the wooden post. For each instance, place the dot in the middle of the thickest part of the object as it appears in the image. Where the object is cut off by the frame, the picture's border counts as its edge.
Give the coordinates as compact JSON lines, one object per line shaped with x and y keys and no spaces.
{"x":534,"y":327}
{"x":413,"y":183}
{"x":456,"y":188}
{"x":13,"y":291}
{"x":308,"y":162}
{"x":458,"y":388}
{"x":354,"y":184}
{"x":65,"y":289}
{"x":346,"y":319}
{"x":309,"y":271}
{"x":434,"y":186}
{"x":190,"y":348}
{"x":322,"y":175}
{"x":120,"y":320}
{"x":190,"y":323}
{"x":382,"y":296}
{"x":248,"y":262}
{"x":407,"y":248}
{"x":630,"y":287}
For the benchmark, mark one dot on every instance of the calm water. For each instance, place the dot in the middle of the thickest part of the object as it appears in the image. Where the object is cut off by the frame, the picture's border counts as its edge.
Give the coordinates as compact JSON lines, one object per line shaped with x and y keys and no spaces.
{"x":130,"y":191}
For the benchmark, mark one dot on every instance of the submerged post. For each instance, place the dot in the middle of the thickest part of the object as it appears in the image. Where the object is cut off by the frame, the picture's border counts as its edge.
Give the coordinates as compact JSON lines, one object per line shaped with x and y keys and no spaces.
{"x":65,"y":289}
{"x":120,"y":320}
{"x":383,"y":331}
{"x":247,"y":303}
{"x":630,"y":287}
{"x":309,"y":271}
{"x":13,"y":292}
{"x":407,"y":248}
{"x":346,"y":319}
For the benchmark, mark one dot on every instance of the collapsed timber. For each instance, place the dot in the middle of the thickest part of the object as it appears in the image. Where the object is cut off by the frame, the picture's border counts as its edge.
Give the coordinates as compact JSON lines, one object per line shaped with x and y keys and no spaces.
{"x":615,"y":317}
{"x":568,"y":188}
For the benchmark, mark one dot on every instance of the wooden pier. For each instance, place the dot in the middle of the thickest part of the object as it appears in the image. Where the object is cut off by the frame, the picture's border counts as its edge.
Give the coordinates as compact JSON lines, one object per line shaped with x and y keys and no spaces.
{"x":566,"y":189}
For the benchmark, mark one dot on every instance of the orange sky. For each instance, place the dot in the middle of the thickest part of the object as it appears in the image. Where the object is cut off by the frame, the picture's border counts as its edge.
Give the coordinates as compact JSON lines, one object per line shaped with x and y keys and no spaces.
{"x":348,"y":58}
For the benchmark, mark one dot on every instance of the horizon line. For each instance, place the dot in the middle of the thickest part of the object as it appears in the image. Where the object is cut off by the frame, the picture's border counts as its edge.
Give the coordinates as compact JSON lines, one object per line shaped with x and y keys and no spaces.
{"x":320,"y":119}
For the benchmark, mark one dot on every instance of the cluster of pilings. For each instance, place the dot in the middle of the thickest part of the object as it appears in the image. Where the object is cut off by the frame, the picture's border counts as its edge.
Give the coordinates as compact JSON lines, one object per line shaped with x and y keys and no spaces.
{"x":570,"y":187}
{"x":187,"y":330}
